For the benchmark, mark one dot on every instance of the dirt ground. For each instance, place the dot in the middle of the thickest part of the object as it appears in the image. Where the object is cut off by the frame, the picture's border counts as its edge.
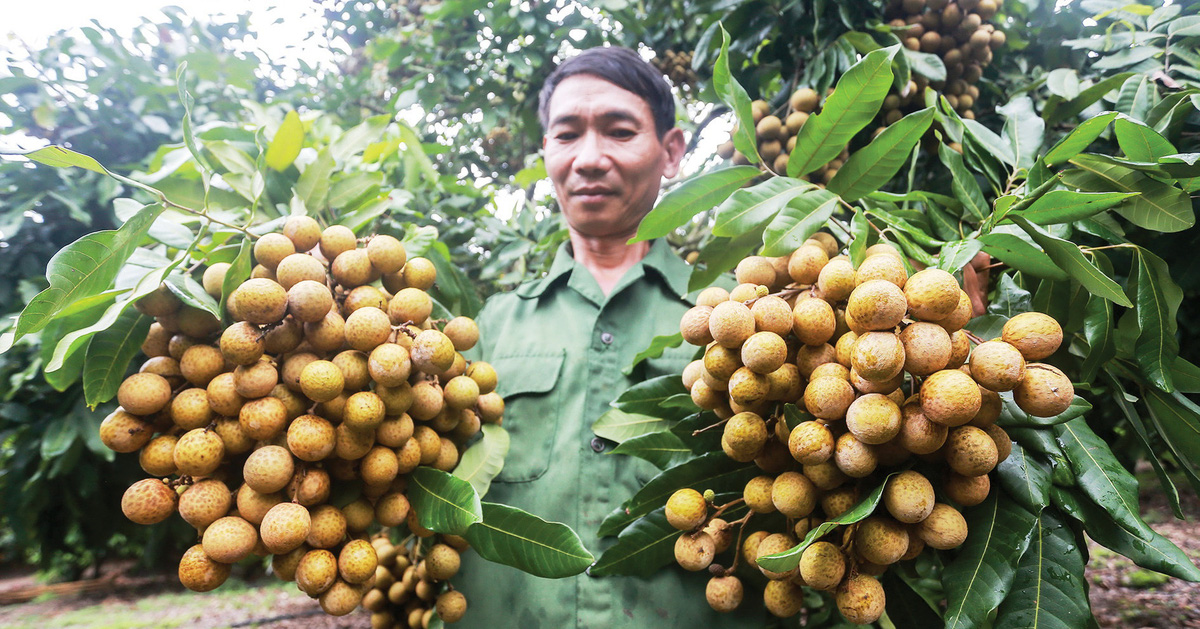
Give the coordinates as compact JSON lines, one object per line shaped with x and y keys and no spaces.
{"x":1123,"y":596}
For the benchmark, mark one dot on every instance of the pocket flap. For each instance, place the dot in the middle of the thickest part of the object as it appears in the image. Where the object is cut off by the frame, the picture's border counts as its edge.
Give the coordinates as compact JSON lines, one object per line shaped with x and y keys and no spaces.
{"x":517,"y":375}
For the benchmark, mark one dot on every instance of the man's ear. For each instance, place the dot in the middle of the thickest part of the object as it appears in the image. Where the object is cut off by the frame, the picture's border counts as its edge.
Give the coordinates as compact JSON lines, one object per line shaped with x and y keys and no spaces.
{"x":675,"y":145}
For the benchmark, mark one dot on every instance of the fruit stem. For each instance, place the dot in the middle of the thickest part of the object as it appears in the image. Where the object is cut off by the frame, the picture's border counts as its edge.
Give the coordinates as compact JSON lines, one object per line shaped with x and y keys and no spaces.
{"x":725,"y":507}
{"x":973,"y":338}
{"x":720,"y":423}
{"x":737,"y":555}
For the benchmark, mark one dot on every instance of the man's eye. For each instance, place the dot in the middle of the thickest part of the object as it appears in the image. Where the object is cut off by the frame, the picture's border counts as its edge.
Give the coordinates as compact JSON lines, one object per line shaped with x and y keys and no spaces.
{"x":565,"y":136}
{"x":623,"y":133}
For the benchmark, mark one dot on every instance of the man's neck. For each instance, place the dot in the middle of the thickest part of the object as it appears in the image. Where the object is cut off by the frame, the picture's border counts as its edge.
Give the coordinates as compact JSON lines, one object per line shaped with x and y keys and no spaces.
{"x":607,"y":258}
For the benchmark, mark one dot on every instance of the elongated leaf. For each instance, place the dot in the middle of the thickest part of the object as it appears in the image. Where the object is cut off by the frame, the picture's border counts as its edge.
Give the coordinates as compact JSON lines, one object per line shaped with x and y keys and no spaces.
{"x":1140,"y":142}
{"x":1049,"y":591}
{"x":285,"y":146}
{"x":789,"y":559}
{"x":1099,"y":327}
{"x":510,"y":536}
{"x":647,"y":397}
{"x":1016,"y":252}
{"x":749,"y":208}
{"x":909,"y":608}
{"x":1099,"y":474}
{"x":484,"y":459}
{"x":109,"y":353}
{"x":927,"y":65}
{"x":852,"y":106}
{"x":982,"y":574}
{"x":1068,"y":206}
{"x":617,"y":425}
{"x":798,"y":221}
{"x":1143,"y":435}
{"x":1186,"y":376}
{"x":1178,"y":422}
{"x":998,"y":147}
{"x":84,"y":268}
{"x":734,"y":96}
{"x":860,"y":228}
{"x":444,"y":503}
{"x":1138,"y":95}
{"x":963,"y":183}
{"x":900,"y":224}
{"x":1068,"y":256}
{"x":645,"y":547}
{"x":714,"y":471}
{"x":1158,"y":206}
{"x":663,"y":449}
{"x":1144,"y":546}
{"x":700,"y":442}
{"x":1025,"y":478}
{"x":1057,"y":110}
{"x":719,"y":255}
{"x":657,"y":346}
{"x":955,"y":255}
{"x":1156,"y":347}
{"x":68,"y":373}
{"x":313,"y":185}
{"x":875,"y":164}
{"x":1012,"y":415}
{"x":692,"y":197}
{"x":1079,"y":138}
{"x":359,"y":137}
{"x":191,"y":293}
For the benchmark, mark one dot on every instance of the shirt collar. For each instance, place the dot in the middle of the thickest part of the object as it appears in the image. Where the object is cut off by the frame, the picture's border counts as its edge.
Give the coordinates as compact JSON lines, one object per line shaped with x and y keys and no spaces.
{"x":660,"y":259}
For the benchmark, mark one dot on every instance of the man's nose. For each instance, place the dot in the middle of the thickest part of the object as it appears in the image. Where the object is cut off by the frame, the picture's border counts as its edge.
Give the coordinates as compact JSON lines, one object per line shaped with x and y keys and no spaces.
{"x":592,"y":156}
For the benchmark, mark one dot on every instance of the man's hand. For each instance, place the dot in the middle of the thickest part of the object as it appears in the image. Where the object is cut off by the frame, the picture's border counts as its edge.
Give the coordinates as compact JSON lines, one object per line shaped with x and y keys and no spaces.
{"x":975,"y":282}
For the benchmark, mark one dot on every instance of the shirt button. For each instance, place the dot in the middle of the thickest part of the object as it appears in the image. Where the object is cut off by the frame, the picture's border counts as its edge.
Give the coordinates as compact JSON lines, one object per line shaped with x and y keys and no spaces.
{"x":606,"y":338}
{"x":597,"y":444}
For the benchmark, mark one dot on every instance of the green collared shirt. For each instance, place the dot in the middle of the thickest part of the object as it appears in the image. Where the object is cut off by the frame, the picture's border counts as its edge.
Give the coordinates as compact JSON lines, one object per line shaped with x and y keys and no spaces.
{"x":559,"y":346}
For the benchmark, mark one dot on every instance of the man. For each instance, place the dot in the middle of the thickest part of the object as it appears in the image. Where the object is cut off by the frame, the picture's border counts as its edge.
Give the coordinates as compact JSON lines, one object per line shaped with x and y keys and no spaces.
{"x":559,"y":345}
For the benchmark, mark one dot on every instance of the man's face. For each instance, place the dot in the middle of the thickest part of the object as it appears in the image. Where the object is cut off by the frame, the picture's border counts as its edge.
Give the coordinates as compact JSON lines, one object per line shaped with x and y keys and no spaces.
{"x":604,"y":156}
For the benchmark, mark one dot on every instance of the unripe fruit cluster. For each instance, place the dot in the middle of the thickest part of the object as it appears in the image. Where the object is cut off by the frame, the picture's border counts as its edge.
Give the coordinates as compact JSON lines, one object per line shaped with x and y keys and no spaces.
{"x":293,"y":430}
{"x":410,"y":584}
{"x":884,"y":377}
{"x":777,"y":131}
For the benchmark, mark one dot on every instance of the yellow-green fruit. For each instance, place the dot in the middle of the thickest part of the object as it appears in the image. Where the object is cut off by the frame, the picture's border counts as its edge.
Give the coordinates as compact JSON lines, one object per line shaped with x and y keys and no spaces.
{"x":927,"y":348}
{"x":909,"y":497}
{"x":881,"y":540}
{"x":950,"y":397}
{"x":335,"y":240}
{"x":199,"y":573}
{"x":721,"y":362}
{"x":967,"y":491}
{"x":144,"y":393}
{"x":363,"y":296}
{"x":806,"y":262}
{"x":873,"y":418}
{"x":148,"y":501}
{"x":229,"y":540}
{"x":271,"y":249}
{"x":160,"y":302}
{"x":970,"y":451}
{"x":932,"y":294}
{"x":420,"y":273}
{"x":297,"y":268}
{"x":451,"y":606}
{"x":744,"y":436}
{"x":813,"y":321}
{"x":878,"y":356}
{"x":686,"y":509}
{"x":695,"y":551}
{"x":352,"y":268}
{"x":804,"y":99}
{"x":198,"y":452}
{"x":811,"y":442}
{"x":712,"y":296}
{"x":253,"y":506}
{"x":724,"y":594}
{"x":367,"y":328}
{"x":432,"y":352}
{"x":410,"y":305}
{"x":1045,"y":391}
{"x":321,"y":381}
{"x":795,"y":121}
{"x":757,"y":494}
{"x":386,"y":253}
{"x":861,"y":599}
{"x":822,"y":566}
{"x":945,"y":528}
{"x":1034,"y":334}
{"x":442,"y":562}
{"x":997,"y":365}
{"x":357,"y":561}
{"x":261,"y":301}
{"x":341,"y":598}
{"x":747,"y":387}
{"x":755,"y":269}
{"x":268,"y":469}
{"x":887,"y":267}
{"x":772,"y":314}
{"x":392,"y":509}
{"x":828,"y":398}
{"x":783,"y":599}
{"x":877,"y":305}
{"x":303,"y":231}
{"x":793,"y":495}
{"x":917,"y":434}
{"x":853,"y":457}
{"x":836,"y":280}
{"x":285,"y":526}
{"x":785,"y":384}
{"x":764,"y":352}
{"x":731,"y":323}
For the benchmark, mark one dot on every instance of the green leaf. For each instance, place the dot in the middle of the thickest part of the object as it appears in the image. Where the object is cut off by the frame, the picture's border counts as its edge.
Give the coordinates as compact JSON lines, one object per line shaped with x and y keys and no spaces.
{"x":1016,"y":252}
{"x":1063,"y":82}
{"x":234,"y":159}
{"x":313,"y":185}
{"x":909,"y":608}
{"x":484,"y":459}
{"x":734,"y":96}
{"x":109,"y":353}
{"x":875,"y":164}
{"x":789,"y":559}
{"x":1079,"y":138}
{"x":1025,"y":478}
{"x":84,"y":268}
{"x":751,"y":207}
{"x":239,"y":271}
{"x":642,"y":549}
{"x":981,"y":576}
{"x":285,"y":146}
{"x":714,"y":471}
{"x":1140,"y":142}
{"x":1023,"y":130}
{"x":1159,"y":207}
{"x":1156,"y":347}
{"x":619,"y":426}
{"x":1138,"y":95}
{"x":1011,"y":298}
{"x":1068,"y":256}
{"x":963,"y":183}
{"x":510,"y":536}
{"x":1068,"y":206}
{"x":798,"y":221}
{"x":444,"y":503}
{"x":663,"y":449}
{"x":1143,"y":435}
{"x":60,"y":434}
{"x":1012,"y":415}
{"x":658,"y":345}
{"x":852,"y":106}
{"x":1099,"y":474}
{"x":1049,"y":591}
{"x":690,"y":198}
{"x":358,"y":138}
{"x":1143,"y":545}
{"x":860,"y":227}
{"x":927,"y":65}
{"x":1099,"y":327}
{"x":646,"y":397}
{"x":955,"y":255}
{"x":1057,"y":110}
{"x":191,"y":293}
{"x":1186,"y":376}
{"x":352,"y":190}
{"x":1178,"y":423}
{"x":719,"y":255}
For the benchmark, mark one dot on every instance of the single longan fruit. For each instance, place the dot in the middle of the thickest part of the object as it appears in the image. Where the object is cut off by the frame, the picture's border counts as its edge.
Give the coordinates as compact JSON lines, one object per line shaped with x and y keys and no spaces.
{"x":861,"y":599}
{"x":950,"y":397}
{"x":712,"y":296}
{"x":686,"y":509}
{"x":724,"y":594}
{"x":694,"y":325}
{"x":386,"y":253}
{"x":822,"y":566}
{"x":463,"y":332}
{"x":695,"y":551}
{"x":836,"y":280}
{"x":997,"y":365}
{"x":229,"y":540}
{"x":198,"y":452}
{"x":420,"y":273}
{"x":199,"y":573}
{"x":159,"y":302}
{"x":352,"y":268}
{"x":303,"y":231}
{"x":261,"y":301}
{"x":214,"y":278}
{"x":877,"y":305}
{"x":205,"y":502}
{"x":967,"y":491}
{"x":367,"y":328}
{"x":308,"y":301}
{"x":794,"y":495}
{"x":878,"y":356}
{"x":873,"y":418}
{"x":321,"y":380}
{"x":432,"y":352}
{"x":268,"y":469}
{"x":813,"y":321}
{"x":316,"y":571}
{"x":1045,"y":391}
{"x":927,"y":348}
{"x":451,"y":605}
{"x":764,"y":352}
{"x":357,"y":561}
{"x":909,"y":497}
{"x":731,"y":323}
{"x":285,"y":527}
{"x":932,"y":294}
{"x":271,"y":249}
{"x":887,"y":267}
{"x":157,"y":457}
{"x":960,"y":316}
{"x":335,"y":240}
{"x":853,"y":457}
{"x":945,"y":528}
{"x":881,"y":540}
{"x":148,"y":501}
{"x":806,"y":262}
{"x":144,"y":393}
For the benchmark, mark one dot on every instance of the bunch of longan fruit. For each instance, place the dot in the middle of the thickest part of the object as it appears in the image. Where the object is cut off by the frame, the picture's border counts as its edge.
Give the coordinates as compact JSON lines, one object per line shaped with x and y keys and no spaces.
{"x":677,"y":66}
{"x":407,"y":591}
{"x":292,"y":431}
{"x":776,"y":133}
{"x":882,"y":366}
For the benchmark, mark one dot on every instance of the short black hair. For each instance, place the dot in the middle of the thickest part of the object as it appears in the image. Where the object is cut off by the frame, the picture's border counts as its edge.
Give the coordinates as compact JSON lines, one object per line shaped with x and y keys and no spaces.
{"x":621,"y":67}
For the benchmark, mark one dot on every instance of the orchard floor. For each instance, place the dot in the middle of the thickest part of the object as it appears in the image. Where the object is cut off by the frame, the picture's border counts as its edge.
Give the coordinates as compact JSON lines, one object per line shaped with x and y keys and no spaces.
{"x":1123,"y":595}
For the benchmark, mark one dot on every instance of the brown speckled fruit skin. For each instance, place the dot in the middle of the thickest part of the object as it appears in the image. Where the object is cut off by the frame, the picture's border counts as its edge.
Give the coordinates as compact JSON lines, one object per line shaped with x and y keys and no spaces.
{"x":205,"y":502}
{"x":148,"y":501}
{"x":285,"y":527}
{"x":861,"y":599}
{"x":198,"y":573}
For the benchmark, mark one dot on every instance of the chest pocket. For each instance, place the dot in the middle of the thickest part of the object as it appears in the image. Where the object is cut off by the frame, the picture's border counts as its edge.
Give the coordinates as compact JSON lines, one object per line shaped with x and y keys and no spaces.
{"x":529,"y":386}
